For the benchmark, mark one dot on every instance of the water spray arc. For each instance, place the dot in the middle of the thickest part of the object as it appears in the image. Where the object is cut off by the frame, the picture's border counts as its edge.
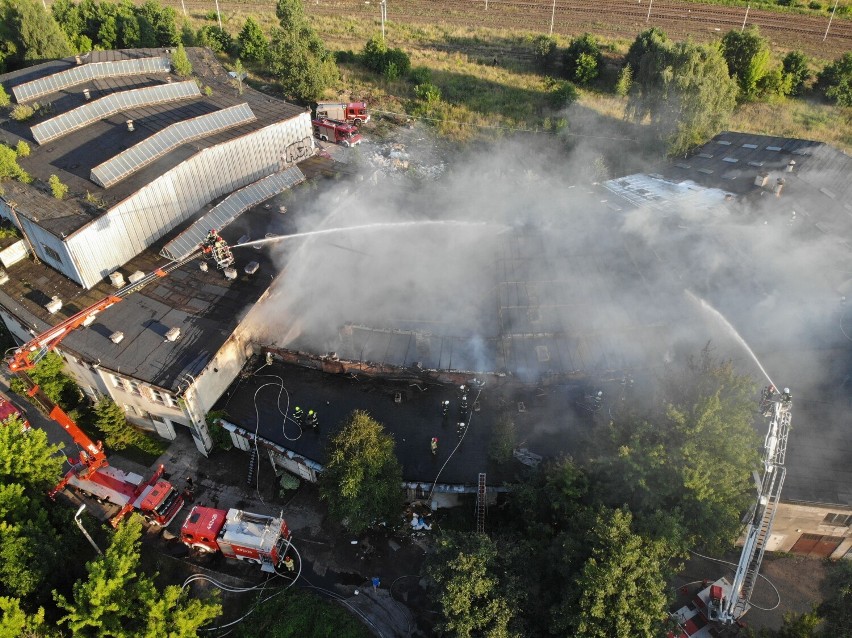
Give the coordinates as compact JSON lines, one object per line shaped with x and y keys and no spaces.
{"x":733,"y":331}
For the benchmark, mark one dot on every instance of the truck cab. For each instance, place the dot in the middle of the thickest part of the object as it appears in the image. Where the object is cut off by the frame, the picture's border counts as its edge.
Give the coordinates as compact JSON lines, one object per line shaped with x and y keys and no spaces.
{"x":337,"y":132}
{"x":352,"y":112}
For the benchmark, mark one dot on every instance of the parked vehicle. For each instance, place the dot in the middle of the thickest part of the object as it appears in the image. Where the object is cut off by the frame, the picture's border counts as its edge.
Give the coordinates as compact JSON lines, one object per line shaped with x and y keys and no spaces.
{"x":237,"y":534}
{"x":352,"y":112}
{"x":8,"y":410}
{"x":337,"y":132}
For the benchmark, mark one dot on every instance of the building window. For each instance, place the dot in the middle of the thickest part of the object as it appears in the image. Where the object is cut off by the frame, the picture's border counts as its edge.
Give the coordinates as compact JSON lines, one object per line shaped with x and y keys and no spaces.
{"x":52,"y":253}
{"x":134,"y":387}
{"x":116,"y":382}
{"x":838,"y":520}
{"x":130,"y":409}
{"x":157,"y":396}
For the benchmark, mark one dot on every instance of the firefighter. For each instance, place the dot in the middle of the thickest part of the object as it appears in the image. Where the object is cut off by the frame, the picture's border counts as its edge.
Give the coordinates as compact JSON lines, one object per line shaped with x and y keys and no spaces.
{"x":786,"y":398}
{"x":313,"y":419}
{"x":460,"y":426}
{"x":445,"y":408}
{"x":288,"y":563}
{"x":598,"y":400}
{"x":463,"y":406}
{"x":434,"y":445}
{"x":298,"y":415}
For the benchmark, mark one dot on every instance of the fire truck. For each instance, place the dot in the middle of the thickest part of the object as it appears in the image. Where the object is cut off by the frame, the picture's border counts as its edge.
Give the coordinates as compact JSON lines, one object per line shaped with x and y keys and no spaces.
{"x":722,"y":602}
{"x":337,"y":132}
{"x":237,"y":534}
{"x":155,"y":498}
{"x":352,"y":112}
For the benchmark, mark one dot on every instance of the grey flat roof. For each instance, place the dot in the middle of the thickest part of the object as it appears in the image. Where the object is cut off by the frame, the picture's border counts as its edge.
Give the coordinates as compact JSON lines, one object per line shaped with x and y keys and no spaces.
{"x":73,"y":156}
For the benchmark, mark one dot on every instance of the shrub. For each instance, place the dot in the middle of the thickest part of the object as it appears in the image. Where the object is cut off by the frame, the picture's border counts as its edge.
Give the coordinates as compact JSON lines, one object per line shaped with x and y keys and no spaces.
{"x":561,"y":94}
{"x":4,"y":97}
{"x":835,"y":80}
{"x":544,"y":52}
{"x":583,"y":59}
{"x":816,"y":6}
{"x":420,"y":75}
{"x":9,"y":167}
{"x":391,"y":63}
{"x":208,"y":90}
{"x":428,"y":93}
{"x":625,"y":81}
{"x":58,"y":189}
{"x":795,"y":66}
{"x":22,"y":149}
{"x":216,"y":39}
{"x":503,"y":438}
{"x":22,"y":112}
{"x":180,"y":61}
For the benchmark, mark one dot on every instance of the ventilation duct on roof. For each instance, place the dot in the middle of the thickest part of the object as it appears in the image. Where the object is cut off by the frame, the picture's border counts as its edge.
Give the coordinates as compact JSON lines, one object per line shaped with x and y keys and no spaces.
{"x":791,"y":166}
{"x":116,"y":279}
{"x":230,"y":274}
{"x":202,"y":266}
{"x":173,"y":334}
{"x":54,"y":305}
{"x":4,"y":277}
{"x":761,"y":179}
{"x":87,"y":94}
{"x":136,"y":276}
{"x":779,"y":186}
{"x":88,"y":321}
{"x":116,"y":337}
{"x":130,"y":126}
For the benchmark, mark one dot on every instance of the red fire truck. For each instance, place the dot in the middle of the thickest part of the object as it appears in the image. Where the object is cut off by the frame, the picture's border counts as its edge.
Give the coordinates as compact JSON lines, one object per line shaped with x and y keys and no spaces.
{"x":352,"y":112}
{"x":237,"y":534}
{"x":337,"y":132}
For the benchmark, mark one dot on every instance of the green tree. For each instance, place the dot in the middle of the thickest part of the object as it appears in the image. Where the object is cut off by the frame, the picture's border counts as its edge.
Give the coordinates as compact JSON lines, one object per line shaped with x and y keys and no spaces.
{"x":625,"y":81}
{"x":301,"y":64}
{"x":362,"y":479}
{"x":428,"y":93}
{"x":180,"y":62}
{"x":49,"y":376}
{"x":291,"y":15}
{"x":650,"y":41}
{"x":685,"y":90}
{"x":251,"y":42}
{"x":215,"y":39}
{"x":374,"y":53}
{"x":835,"y":80}
{"x":157,"y":25}
{"x":27,"y":457}
{"x":472,"y":599}
{"x":544,"y":52}
{"x":560,"y":93}
{"x":504,"y":435}
{"x":99,"y":605}
{"x":795,"y":65}
{"x":583,"y":59}
{"x":16,"y":623}
{"x":58,"y":189}
{"x":747,"y":55}
{"x":623,"y":582}
{"x":9,"y":167}
{"x":110,"y":419}
{"x":33,"y":33}
{"x":4,"y":98}
{"x":22,"y":149}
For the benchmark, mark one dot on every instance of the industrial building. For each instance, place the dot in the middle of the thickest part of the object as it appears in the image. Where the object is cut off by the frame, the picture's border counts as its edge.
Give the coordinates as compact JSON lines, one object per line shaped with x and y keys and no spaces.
{"x":153,"y":163}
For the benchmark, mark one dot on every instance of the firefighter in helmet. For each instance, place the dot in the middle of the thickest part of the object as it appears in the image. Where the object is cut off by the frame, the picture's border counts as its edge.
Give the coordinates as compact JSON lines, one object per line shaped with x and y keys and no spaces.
{"x":313,"y":419}
{"x":434,"y":445}
{"x":298,"y":415}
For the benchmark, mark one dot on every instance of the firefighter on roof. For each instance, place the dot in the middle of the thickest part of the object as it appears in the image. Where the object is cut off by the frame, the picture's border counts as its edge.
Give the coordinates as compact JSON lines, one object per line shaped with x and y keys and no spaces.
{"x":313,"y":419}
{"x":434,"y":445}
{"x":298,"y":415}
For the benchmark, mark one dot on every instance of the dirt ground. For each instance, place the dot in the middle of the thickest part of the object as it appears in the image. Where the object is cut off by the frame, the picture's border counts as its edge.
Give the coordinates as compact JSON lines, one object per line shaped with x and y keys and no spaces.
{"x":797,"y":579}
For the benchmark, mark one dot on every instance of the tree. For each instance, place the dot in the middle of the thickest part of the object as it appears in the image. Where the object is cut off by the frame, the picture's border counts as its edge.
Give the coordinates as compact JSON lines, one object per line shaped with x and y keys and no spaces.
{"x":623,"y":582}
{"x":16,"y":623}
{"x":157,"y":25}
{"x":110,"y":419}
{"x":362,"y":479}
{"x":837,"y":607}
{"x":650,"y":41}
{"x":27,"y":457}
{"x":374,"y":53}
{"x":300,"y":63}
{"x":50,"y":378}
{"x":4,"y":98}
{"x":686,"y":90}
{"x":583,"y":59}
{"x":251,"y":42}
{"x":503,"y":438}
{"x":180,"y":61}
{"x":835,"y":80}
{"x":544,"y":52}
{"x":795,"y":65}
{"x":625,"y":81}
{"x":561,"y":94}
{"x":471,"y":597}
{"x":58,"y":189}
{"x":291,"y":15}
{"x":9,"y":167}
{"x":747,"y":55}
{"x":215,"y":39}
{"x":33,"y":33}
{"x":100,"y":603}
{"x":22,"y":149}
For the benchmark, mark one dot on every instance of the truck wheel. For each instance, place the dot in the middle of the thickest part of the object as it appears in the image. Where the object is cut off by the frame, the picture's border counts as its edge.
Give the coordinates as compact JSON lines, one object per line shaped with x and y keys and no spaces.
{"x":324,"y":138}
{"x":345,"y":143}
{"x":358,"y":121}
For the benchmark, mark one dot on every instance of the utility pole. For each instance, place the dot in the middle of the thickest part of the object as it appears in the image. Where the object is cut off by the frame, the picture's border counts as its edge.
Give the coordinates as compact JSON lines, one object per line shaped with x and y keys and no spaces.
{"x":383,"y":8}
{"x":83,"y":529}
{"x":552,"y":16}
{"x":830,"y":18}
{"x":648,"y":17}
{"x":218,"y":15}
{"x":748,"y":6}
{"x":183,"y":6}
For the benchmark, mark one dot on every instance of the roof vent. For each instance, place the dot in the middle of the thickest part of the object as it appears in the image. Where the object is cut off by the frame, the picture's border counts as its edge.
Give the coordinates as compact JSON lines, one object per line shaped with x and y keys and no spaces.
{"x":779,"y":186}
{"x":230,"y":273}
{"x":4,"y":277}
{"x":138,"y":275}
{"x":761,"y":179}
{"x":88,"y":321}
{"x":130,"y":126}
{"x":117,"y":336}
{"x":54,"y":305}
{"x":173,"y":334}
{"x":87,"y":94}
{"x":168,"y":79}
{"x":251,"y":267}
{"x":116,"y":279}
{"x":791,"y":165}
{"x":78,"y":59}
{"x":202,"y":265}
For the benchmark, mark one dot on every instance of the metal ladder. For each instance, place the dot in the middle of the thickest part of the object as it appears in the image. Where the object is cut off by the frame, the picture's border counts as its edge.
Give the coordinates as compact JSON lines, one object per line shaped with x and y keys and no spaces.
{"x":480,"y":504}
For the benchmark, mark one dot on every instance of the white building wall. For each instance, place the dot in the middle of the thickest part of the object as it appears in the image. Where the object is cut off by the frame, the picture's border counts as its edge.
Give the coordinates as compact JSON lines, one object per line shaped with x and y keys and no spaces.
{"x":794,"y":519}
{"x":137,"y":222}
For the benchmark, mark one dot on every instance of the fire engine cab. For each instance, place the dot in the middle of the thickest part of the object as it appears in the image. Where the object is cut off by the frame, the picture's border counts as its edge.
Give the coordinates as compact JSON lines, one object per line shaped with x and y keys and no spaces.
{"x":337,"y":132}
{"x":352,"y":112}
{"x":237,"y":534}
{"x":8,"y":410}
